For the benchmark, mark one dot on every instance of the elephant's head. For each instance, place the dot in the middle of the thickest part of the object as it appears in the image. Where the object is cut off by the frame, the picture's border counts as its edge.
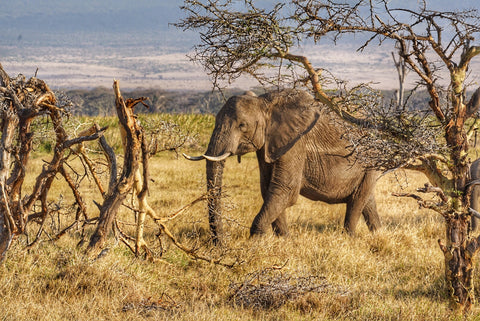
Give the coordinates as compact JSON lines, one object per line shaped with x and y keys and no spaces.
{"x":239,"y":127}
{"x":273,"y":122}
{"x":248,"y":123}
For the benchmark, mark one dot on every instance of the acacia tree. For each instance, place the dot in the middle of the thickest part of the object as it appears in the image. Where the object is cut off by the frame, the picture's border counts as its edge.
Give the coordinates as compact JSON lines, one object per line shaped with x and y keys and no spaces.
{"x":240,"y":38}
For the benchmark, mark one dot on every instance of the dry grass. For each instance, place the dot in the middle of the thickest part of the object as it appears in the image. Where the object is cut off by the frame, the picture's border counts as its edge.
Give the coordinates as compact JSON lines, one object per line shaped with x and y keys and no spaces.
{"x":394,"y":274}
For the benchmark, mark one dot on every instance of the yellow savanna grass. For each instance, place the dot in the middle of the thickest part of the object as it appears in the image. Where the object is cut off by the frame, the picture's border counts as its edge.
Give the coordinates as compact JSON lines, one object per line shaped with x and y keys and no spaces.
{"x":394,"y":274}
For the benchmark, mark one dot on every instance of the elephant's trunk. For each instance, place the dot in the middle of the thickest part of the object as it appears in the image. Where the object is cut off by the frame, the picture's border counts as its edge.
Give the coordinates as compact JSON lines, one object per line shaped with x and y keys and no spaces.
{"x":218,"y":150}
{"x":214,"y":195}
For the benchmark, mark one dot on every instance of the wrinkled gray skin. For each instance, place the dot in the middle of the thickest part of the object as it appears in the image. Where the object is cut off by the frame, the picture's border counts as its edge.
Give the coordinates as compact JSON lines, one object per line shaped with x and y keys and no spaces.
{"x":299,"y":151}
{"x":474,"y":197}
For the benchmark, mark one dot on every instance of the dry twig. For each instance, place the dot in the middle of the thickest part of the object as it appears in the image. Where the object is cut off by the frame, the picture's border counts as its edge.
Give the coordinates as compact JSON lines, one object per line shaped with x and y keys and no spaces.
{"x":270,"y":288}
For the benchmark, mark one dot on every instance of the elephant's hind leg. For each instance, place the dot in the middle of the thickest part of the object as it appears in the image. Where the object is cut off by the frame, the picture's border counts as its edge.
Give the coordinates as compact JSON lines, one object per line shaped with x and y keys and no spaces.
{"x":352,"y":216}
{"x":371,"y":215}
{"x":358,"y":202}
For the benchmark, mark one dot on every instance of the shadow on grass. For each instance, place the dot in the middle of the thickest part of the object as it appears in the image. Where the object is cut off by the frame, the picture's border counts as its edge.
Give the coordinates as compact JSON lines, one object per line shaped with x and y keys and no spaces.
{"x":320,"y":227}
{"x":436,"y":291}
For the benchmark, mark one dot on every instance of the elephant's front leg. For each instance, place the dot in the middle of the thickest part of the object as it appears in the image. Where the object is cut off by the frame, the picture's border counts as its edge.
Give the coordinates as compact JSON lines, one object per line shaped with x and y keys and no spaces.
{"x":271,"y":216}
{"x":280,"y":192}
{"x":279,"y":226}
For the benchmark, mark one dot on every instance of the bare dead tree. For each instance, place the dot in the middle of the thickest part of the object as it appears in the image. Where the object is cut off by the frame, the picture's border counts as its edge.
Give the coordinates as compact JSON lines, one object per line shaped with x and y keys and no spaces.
{"x":242,"y":39}
{"x":21,"y":102}
{"x":401,"y":66}
{"x":133,"y":136}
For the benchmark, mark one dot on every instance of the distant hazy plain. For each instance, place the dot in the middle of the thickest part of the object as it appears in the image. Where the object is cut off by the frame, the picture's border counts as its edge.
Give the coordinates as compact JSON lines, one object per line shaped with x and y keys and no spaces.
{"x":155,"y":66}
{"x":88,"y":44}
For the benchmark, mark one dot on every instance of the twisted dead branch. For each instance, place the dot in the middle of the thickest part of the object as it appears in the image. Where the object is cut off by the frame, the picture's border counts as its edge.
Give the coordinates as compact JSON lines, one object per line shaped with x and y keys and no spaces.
{"x":124,"y":184}
{"x":21,"y":102}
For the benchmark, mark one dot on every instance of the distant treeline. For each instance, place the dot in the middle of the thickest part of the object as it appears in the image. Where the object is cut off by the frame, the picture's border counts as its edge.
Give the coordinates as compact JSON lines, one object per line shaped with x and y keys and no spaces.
{"x":100,"y":101}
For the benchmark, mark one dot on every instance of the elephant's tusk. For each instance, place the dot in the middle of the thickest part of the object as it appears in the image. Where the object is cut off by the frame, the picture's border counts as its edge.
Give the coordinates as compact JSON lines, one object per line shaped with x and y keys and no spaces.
{"x":193,"y":158}
{"x":217,"y":158}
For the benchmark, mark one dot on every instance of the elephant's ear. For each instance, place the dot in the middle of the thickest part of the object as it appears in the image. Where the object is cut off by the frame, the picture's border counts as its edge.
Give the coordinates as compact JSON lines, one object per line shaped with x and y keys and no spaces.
{"x":293,"y":114}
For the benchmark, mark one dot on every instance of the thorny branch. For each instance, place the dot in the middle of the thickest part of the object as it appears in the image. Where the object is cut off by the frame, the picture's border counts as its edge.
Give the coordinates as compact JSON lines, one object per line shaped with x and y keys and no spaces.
{"x":163,"y":229}
{"x":245,"y":39}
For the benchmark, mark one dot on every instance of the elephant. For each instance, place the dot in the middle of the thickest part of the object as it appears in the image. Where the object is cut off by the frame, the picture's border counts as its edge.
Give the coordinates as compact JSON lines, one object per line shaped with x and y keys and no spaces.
{"x":300,"y":151}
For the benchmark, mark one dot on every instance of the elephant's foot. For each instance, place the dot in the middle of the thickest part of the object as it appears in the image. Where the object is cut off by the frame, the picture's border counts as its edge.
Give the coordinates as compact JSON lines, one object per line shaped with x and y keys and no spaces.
{"x":349,"y":229}
{"x":256,"y":231}
{"x":374,"y":227}
{"x":372,"y":219}
{"x":280,"y":226}
{"x":283,"y":233}
{"x":260,"y":225}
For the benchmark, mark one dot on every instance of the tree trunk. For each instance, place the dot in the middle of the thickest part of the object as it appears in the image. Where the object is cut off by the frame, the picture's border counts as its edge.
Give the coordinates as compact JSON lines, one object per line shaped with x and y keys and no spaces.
{"x":124,"y":185}
{"x":108,"y":211}
{"x":7,"y":224}
{"x":459,"y":250}
{"x":459,"y":255}
{"x":17,"y":177}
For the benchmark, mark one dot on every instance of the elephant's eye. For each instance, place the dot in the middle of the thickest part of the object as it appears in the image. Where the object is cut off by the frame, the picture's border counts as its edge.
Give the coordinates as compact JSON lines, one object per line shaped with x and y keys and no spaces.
{"x":243,"y":127}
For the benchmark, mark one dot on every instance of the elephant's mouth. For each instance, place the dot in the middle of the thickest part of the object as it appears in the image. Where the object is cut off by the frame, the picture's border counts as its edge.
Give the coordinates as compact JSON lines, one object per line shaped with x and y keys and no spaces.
{"x":210,"y":158}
